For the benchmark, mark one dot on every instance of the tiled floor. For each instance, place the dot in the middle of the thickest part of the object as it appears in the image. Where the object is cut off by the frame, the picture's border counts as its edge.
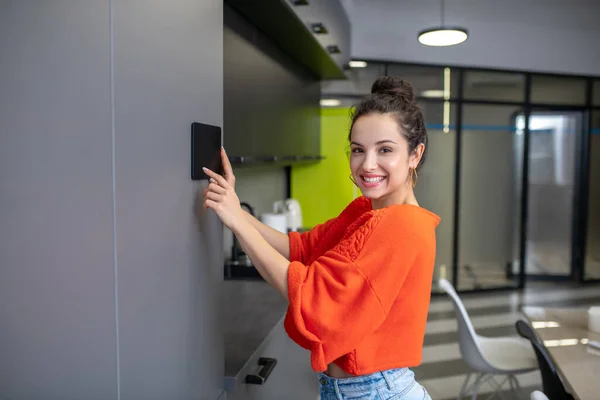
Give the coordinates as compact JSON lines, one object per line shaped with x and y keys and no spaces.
{"x":493,"y":314}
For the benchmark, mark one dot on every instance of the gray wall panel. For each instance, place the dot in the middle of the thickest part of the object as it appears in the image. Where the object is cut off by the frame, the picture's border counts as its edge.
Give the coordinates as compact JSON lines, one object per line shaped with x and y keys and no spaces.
{"x":57,"y":327}
{"x":168,"y":73}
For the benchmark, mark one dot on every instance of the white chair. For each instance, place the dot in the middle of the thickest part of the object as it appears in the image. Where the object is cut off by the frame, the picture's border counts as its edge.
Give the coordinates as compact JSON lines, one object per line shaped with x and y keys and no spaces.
{"x":488,"y":357}
{"x":537,"y":395}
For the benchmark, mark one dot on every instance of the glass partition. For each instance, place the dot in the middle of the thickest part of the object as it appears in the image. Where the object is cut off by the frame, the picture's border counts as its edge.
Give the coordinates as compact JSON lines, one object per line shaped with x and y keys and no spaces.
{"x":490,"y":193}
{"x":551,"y":183}
{"x":435,"y":187}
{"x":557,"y":90}
{"x":596,"y":93}
{"x":502,"y":86}
{"x":428,"y":82}
{"x":592,"y":256}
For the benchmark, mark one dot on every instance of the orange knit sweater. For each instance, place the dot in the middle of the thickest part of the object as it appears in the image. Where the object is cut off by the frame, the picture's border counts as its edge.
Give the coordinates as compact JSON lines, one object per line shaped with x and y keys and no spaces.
{"x":359,"y":287}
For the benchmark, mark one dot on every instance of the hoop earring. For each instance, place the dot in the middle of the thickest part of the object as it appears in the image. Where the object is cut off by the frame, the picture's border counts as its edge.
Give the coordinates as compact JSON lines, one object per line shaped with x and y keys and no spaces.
{"x":353,"y":180}
{"x":414,"y":177}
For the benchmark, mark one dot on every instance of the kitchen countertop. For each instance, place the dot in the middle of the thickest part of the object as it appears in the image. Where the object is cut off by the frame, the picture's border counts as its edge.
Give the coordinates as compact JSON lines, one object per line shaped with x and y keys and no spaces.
{"x":251,"y":311}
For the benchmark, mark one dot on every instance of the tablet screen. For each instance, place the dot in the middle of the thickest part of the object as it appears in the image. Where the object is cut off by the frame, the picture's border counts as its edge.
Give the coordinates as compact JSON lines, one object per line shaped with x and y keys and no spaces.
{"x":206,"y":149}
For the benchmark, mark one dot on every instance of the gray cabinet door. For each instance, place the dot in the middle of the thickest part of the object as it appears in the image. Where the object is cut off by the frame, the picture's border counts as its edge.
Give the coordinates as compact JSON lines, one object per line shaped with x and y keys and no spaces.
{"x":271,"y":104}
{"x":108,"y":282}
{"x":168,"y":73}
{"x":57,"y":324}
{"x":292,"y":378}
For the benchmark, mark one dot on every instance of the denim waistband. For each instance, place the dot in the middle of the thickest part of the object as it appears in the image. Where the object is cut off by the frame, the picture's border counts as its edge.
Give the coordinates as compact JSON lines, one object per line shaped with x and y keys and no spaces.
{"x":392,"y":378}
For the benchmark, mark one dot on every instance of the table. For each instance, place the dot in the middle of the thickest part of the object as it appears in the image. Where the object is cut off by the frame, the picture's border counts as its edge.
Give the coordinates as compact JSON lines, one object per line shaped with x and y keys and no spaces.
{"x":565,"y":335}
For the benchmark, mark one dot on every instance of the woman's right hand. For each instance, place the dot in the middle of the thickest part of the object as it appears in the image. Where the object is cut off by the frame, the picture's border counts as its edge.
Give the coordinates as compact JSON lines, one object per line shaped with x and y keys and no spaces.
{"x":220,"y":195}
{"x":227,"y":172}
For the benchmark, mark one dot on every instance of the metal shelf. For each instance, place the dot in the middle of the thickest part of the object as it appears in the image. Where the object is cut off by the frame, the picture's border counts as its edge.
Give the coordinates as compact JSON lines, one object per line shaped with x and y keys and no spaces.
{"x":272,"y":160}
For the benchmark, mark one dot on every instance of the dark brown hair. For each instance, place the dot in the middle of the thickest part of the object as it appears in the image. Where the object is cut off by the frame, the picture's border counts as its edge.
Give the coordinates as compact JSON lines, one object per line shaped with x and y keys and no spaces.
{"x":392,"y":95}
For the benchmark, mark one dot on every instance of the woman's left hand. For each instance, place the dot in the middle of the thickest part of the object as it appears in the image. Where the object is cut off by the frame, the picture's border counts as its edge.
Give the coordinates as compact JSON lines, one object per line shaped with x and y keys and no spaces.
{"x":220,"y":196}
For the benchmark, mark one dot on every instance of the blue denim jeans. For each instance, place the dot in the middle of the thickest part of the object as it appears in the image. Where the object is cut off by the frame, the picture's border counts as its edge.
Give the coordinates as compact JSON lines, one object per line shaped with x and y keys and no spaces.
{"x":392,"y":384}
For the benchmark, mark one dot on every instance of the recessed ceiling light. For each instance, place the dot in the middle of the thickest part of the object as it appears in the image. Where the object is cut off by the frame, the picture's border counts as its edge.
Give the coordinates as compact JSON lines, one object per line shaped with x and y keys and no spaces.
{"x":330,"y":102}
{"x":358,"y":64}
{"x":333,"y":49}
{"x":319,"y":28}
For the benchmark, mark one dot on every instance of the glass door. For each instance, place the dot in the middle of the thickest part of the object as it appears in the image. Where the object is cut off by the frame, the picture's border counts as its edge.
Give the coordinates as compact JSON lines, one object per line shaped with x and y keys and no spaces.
{"x":551,"y":178}
{"x":592,"y":253}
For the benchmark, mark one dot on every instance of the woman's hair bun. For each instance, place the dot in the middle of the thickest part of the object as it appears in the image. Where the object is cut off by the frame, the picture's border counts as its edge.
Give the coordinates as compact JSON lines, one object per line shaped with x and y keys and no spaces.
{"x":394,"y":86}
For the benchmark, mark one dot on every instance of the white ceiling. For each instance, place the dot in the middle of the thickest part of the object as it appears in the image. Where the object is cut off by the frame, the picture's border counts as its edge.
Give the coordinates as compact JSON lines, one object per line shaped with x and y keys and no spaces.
{"x":543,"y":35}
{"x":575,"y":14}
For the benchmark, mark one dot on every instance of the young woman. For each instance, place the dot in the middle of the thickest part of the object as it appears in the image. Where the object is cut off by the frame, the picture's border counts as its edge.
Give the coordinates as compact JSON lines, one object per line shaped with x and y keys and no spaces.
{"x":358,"y":285}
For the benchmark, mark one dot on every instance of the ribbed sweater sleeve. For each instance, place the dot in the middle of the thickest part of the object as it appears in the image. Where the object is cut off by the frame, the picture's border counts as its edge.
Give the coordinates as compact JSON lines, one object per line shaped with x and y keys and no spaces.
{"x":345,"y":295}
{"x":301,"y":244}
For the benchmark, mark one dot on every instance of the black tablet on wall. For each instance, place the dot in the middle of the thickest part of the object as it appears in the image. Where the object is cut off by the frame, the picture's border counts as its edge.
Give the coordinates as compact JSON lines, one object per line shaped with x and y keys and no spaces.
{"x":206,"y":150}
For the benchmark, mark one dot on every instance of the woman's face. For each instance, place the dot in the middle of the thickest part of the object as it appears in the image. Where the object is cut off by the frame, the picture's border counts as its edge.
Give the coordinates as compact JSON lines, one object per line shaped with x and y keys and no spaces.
{"x":379,"y":158}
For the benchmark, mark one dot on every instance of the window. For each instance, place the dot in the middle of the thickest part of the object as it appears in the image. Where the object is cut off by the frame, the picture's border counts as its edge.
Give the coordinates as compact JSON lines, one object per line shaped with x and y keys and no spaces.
{"x":500,"y":86}
{"x":596,"y":93}
{"x":490,"y":190}
{"x":435,"y":186}
{"x":592,"y":253}
{"x":557,"y":90}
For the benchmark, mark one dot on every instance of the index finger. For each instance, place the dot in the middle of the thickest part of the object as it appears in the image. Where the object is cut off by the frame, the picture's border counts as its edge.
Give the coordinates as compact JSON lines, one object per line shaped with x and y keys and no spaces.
{"x":219,"y":180}
{"x":227,"y":170}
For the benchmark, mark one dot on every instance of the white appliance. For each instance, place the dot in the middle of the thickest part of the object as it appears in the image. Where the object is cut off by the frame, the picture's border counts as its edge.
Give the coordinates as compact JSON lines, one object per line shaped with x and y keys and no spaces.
{"x":292,"y":211}
{"x":275,"y":221}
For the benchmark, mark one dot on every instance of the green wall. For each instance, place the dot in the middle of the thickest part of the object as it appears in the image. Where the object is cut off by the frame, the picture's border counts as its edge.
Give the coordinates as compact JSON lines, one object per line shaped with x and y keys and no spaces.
{"x":324,"y":189}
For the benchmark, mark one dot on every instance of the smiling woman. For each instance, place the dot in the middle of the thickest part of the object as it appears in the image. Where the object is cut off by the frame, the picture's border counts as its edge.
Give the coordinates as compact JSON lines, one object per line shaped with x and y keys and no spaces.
{"x":388,"y":142}
{"x":358,"y":285}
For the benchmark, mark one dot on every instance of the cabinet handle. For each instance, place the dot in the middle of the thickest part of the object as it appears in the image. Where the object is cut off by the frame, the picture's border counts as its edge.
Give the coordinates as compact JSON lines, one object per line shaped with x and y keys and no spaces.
{"x":267,"y":364}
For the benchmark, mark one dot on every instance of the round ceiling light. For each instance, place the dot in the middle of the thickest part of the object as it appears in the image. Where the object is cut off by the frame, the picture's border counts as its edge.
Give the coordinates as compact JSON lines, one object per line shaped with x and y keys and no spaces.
{"x":443,"y":36}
